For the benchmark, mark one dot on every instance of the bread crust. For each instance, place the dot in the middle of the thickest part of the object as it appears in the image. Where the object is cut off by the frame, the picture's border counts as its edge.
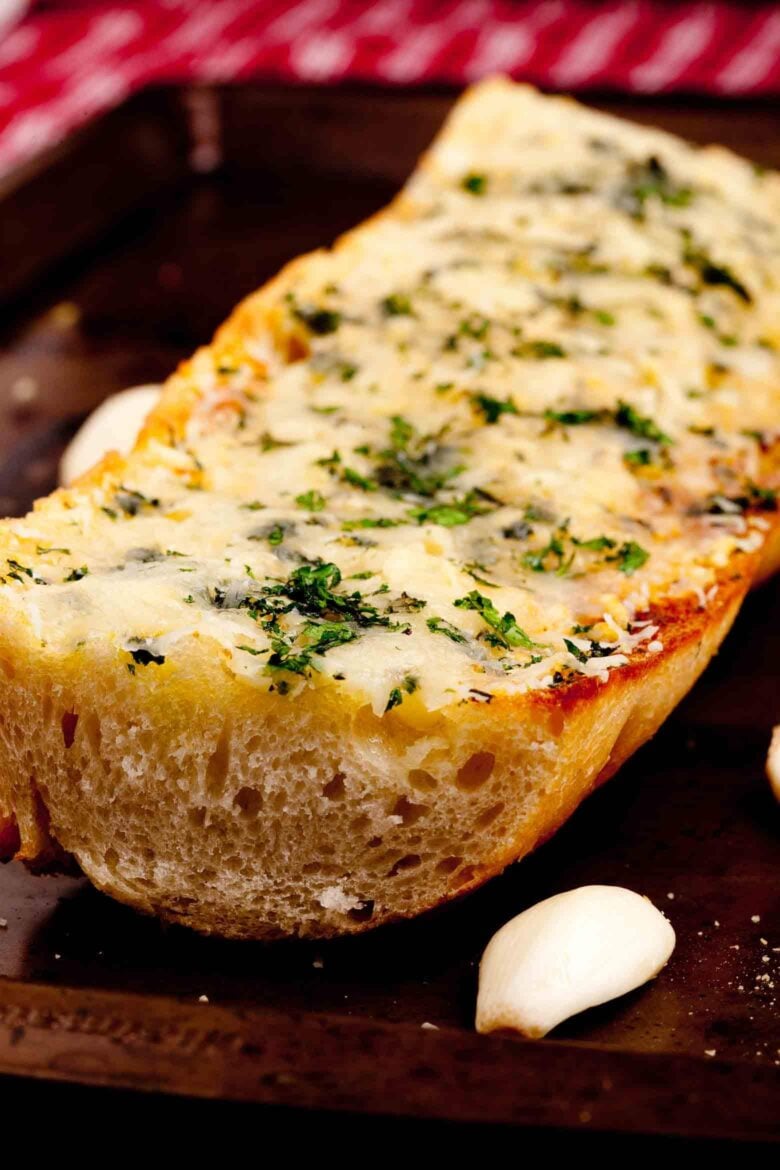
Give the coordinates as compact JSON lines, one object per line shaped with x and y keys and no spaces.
{"x":204,"y":833}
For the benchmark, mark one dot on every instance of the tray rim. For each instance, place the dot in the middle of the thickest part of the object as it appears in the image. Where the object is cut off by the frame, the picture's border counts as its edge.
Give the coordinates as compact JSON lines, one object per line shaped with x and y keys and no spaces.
{"x":153,"y":1043}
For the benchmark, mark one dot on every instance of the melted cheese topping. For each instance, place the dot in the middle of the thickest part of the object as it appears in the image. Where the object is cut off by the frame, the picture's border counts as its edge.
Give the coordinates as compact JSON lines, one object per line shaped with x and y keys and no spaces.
{"x":470,"y":451}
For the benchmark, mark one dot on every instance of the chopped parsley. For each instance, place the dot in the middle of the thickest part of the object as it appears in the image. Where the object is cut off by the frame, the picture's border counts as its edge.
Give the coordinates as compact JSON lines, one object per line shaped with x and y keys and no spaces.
{"x":370,"y":522}
{"x":349,"y":475}
{"x":475,"y":183}
{"x":312,"y":501}
{"x":539,"y":350}
{"x":17,"y":568}
{"x":404,"y":603}
{"x":311,"y":589}
{"x":573,"y":418}
{"x":714,"y":274}
{"x":595,"y":650}
{"x":506,"y":631}
{"x":624,"y":415}
{"x":552,"y":557}
{"x":439,"y":625}
{"x":751,"y":496}
{"x":630,"y":557}
{"x":397,"y":305}
{"x":396,"y":696}
{"x":597,"y":544}
{"x":630,"y":419}
{"x":401,"y":432}
{"x":395,"y":699}
{"x":651,"y":180}
{"x":269,"y":443}
{"x":317,"y":320}
{"x":451,"y":514}
{"x":493,"y":408}
{"x":475,"y":569}
{"x":474,"y":326}
{"x":639,"y":457}
{"x":413,"y":463}
{"x":131,"y":502}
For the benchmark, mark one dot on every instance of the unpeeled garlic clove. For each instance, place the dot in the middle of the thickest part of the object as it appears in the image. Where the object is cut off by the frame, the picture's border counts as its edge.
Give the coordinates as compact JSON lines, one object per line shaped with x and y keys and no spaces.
{"x":112,"y":426}
{"x":568,"y":953}
{"x":773,"y":763}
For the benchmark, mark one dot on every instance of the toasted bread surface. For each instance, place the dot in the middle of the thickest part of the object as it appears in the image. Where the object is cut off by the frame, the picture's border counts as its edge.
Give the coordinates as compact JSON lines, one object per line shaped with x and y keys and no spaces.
{"x":427,"y":542}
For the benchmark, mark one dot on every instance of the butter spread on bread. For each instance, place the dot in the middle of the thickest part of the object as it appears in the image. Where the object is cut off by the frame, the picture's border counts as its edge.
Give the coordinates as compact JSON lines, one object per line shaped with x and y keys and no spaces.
{"x":430,"y":538}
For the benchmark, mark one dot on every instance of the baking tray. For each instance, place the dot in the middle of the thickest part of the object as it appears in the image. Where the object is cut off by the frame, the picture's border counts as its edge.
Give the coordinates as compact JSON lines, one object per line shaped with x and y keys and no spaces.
{"x":121,"y":251}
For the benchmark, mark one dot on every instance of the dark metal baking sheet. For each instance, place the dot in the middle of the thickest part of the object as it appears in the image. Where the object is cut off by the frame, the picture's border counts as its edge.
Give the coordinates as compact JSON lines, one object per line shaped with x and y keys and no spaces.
{"x":91,"y":992}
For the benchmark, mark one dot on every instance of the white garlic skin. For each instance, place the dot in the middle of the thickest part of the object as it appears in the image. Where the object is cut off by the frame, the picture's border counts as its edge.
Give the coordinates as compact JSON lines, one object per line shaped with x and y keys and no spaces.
{"x":773,"y":763}
{"x":112,"y":426}
{"x":568,"y":953}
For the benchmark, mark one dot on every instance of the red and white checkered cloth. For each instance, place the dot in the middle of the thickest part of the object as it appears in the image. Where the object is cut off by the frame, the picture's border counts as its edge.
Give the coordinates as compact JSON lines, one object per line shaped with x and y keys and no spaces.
{"x":68,"y":60}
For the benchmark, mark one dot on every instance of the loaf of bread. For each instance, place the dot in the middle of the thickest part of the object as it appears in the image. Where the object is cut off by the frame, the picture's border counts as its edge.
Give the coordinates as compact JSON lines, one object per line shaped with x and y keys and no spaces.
{"x":426,"y":543}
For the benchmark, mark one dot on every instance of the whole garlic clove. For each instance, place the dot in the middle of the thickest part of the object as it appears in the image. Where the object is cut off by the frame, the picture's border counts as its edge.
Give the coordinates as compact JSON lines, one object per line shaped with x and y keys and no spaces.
{"x":773,"y":763}
{"x":568,"y":953}
{"x":112,"y":426}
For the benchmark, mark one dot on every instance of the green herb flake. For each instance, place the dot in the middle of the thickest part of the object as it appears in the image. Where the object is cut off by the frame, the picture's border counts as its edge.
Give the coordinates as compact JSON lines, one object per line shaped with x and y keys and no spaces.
{"x":475,"y":183}
{"x":493,"y":408}
{"x":397,"y":305}
{"x":357,"y":480}
{"x":651,"y":180}
{"x":644,"y":428}
{"x":579,"y":654}
{"x":714,"y":274}
{"x":573,"y":418}
{"x":452,"y":514}
{"x":539,"y":350}
{"x":641,"y":457}
{"x":312,"y":501}
{"x":319,"y":321}
{"x":269,"y":443}
{"x":401,"y":432}
{"x":550,"y":558}
{"x":630,"y":557}
{"x":77,"y":574}
{"x":595,"y":650}
{"x":395,"y":698}
{"x":508,"y":632}
{"x":597,"y":544}
{"x":131,"y":501}
{"x":439,"y":625}
{"x":370,"y":522}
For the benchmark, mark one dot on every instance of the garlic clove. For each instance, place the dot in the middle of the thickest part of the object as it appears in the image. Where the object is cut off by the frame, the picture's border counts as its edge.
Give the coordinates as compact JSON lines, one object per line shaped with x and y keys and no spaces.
{"x":773,"y":763}
{"x":112,"y":426}
{"x":568,"y":953}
